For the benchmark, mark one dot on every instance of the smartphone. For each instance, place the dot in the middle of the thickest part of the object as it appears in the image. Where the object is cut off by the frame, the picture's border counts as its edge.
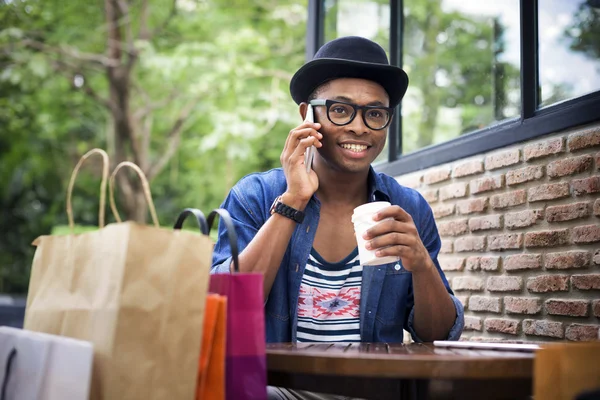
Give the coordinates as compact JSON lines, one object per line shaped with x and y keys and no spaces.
{"x":309,"y":155}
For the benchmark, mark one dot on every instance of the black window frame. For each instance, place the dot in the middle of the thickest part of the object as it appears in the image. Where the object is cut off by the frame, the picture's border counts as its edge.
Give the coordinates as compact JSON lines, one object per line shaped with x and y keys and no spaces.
{"x":531,"y":123}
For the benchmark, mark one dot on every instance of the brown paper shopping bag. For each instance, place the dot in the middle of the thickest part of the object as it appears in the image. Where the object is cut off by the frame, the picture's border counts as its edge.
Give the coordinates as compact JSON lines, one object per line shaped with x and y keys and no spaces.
{"x":136,"y":292}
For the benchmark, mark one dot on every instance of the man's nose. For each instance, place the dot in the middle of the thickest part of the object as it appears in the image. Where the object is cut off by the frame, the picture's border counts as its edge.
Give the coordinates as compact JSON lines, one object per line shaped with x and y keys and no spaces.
{"x":357,"y":125}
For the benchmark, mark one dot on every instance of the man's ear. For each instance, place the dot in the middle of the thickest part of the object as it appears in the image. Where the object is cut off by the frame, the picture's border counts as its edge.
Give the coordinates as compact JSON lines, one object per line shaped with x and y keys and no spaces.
{"x":303,"y":107}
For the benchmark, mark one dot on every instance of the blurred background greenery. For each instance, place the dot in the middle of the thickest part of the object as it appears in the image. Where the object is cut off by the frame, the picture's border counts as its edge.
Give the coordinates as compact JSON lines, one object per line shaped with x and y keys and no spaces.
{"x":194,"y":91}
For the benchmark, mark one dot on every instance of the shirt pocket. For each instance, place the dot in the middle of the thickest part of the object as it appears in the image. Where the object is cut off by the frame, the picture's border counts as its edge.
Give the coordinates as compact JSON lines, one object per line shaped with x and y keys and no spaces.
{"x":394,"y":297}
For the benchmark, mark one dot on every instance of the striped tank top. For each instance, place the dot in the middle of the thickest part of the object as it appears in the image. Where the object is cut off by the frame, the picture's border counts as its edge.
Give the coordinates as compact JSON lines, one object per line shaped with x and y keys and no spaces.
{"x":329,"y":300}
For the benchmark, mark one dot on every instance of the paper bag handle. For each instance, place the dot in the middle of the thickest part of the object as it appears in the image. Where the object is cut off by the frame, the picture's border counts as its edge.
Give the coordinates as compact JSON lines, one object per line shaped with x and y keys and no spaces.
{"x":105,"y":164}
{"x":199,"y":217}
{"x":7,"y":369}
{"x":145,"y":186}
{"x":231,"y":235}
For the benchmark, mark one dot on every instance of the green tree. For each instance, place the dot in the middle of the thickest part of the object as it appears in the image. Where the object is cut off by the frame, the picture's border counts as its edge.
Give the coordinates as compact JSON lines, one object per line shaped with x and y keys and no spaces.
{"x":195,"y":92}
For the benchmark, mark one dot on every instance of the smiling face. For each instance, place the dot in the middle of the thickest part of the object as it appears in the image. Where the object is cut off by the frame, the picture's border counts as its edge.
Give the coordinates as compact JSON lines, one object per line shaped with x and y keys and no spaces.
{"x":353,"y":147}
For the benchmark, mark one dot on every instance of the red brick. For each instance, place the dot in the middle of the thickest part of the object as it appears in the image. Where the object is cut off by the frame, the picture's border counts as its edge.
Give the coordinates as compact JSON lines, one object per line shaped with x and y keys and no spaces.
{"x":568,"y":212}
{"x":482,"y":303}
{"x":550,"y":191}
{"x":596,"y":258}
{"x":547,"y":238}
{"x":468,"y":168}
{"x":504,"y":284}
{"x":543,"y":328}
{"x":486,"y":184}
{"x":569,"y":166}
{"x":472,"y":205}
{"x":597,"y":208}
{"x":472,"y":323}
{"x":464,"y":300}
{"x":437,"y":175}
{"x":486,"y":222}
{"x":431,"y":196}
{"x":505,"y":242}
{"x":452,"y":228}
{"x":520,"y":262}
{"x":596,"y":308}
{"x":469,"y":243}
{"x":585,"y":139}
{"x":501,"y":325}
{"x":510,"y":199}
{"x":543,"y":149}
{"x":523,"y":175}
{"x":586,"y":282}
{"x":522,"y":219}
{"x":581,"y":187}
{"x":502,"y":159}
{"x":567,"y":259}
{"x":451,"y":263}
{"x":522,"y":305}
{"x":580,"y":332}
{"x":548,"y":283}
{"x":586,"y":234}
{"x":486,"y":263}
{"x":443,"y":210}
{"x":411,"y":181}
{"x":447,"y":246}
{"x":453,"y":191}
{"x":467,"y":283}
{"x":569,"y":308}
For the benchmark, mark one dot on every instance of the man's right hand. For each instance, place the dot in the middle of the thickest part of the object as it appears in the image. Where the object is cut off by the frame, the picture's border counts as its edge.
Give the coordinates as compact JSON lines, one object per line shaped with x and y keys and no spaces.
{"x":300,"y":185}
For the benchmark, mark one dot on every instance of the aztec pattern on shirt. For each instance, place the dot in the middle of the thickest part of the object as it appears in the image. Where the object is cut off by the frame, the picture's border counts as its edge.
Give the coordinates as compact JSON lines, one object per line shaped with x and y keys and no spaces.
{"x":329,"y":300}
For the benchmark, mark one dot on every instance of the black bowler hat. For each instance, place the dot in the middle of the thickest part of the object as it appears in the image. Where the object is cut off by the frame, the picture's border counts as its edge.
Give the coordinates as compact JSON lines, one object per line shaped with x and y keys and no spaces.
{"x":349,"y":57}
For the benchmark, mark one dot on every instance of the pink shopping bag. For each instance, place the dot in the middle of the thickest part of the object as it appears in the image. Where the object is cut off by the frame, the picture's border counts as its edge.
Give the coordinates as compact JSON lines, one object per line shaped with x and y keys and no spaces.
{"x":246,"y":361}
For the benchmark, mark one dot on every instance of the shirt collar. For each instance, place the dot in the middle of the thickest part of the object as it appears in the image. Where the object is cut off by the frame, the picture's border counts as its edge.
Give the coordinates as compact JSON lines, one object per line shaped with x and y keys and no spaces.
{"x":377,"y":189}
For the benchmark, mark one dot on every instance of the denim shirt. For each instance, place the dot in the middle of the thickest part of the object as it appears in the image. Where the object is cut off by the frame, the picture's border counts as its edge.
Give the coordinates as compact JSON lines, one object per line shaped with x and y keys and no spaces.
{"x":386,"y":304}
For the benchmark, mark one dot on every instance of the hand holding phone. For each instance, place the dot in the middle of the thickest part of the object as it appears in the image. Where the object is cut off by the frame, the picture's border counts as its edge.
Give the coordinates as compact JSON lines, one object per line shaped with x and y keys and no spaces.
{"x":310,"y":152}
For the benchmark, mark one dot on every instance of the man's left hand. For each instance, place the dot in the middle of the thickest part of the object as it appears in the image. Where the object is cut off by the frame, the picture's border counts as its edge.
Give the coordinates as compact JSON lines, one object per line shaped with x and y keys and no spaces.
{"x":398,"y":237}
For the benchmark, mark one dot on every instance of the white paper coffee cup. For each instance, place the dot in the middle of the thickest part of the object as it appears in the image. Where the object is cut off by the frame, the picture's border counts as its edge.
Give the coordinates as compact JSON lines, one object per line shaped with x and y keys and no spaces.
{"x":362,"y":218}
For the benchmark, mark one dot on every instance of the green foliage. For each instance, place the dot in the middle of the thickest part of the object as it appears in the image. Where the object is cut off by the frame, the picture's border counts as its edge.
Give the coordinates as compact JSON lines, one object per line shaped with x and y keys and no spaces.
{"x":231,"y":60}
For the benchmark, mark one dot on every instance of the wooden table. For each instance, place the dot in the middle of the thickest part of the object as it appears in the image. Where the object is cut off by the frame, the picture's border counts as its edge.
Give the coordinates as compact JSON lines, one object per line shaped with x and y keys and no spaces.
{"x":398,"y":371}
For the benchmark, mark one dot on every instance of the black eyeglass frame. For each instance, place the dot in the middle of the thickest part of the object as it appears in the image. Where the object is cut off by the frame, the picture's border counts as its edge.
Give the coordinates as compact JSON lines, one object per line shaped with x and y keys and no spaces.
{"x":329,"y":103}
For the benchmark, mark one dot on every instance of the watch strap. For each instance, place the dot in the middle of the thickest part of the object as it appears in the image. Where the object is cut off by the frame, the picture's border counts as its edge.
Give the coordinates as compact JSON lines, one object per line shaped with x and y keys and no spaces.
{"x":287,"y":211}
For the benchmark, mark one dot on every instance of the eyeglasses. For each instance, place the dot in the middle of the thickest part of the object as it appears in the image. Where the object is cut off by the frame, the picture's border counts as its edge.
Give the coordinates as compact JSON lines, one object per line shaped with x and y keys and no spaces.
{"x":341,"y":113}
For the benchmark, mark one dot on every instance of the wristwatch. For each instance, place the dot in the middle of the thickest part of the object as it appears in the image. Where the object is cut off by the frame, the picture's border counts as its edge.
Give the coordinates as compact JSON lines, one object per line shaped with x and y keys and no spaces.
{"x":287,"y":211}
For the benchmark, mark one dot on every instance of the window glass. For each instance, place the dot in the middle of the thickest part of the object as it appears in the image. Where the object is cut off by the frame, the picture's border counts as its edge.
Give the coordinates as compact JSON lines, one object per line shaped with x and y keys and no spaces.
{"x":365,"y":18}
{"x":463,"y":62}
{"x":569,"y":49}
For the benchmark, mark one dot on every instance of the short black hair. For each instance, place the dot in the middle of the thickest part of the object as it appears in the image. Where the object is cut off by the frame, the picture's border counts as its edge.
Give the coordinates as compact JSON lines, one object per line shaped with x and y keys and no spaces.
{"x":315,"y":93}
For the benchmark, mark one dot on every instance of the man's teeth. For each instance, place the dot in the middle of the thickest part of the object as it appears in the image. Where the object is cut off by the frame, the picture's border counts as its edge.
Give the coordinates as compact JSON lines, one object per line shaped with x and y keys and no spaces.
{"x":355,"y":147}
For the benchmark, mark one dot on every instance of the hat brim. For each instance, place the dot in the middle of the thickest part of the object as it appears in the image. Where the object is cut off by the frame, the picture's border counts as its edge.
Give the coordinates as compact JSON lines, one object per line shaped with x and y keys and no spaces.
{"x":316,"y":72}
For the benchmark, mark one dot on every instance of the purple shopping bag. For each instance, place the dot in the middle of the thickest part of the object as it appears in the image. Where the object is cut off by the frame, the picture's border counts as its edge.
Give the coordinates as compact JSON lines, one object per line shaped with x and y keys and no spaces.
{"x":246,"y":362}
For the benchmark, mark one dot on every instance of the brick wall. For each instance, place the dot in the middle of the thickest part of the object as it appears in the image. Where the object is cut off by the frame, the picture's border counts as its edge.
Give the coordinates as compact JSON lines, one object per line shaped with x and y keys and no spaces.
{"x":520,"y":232}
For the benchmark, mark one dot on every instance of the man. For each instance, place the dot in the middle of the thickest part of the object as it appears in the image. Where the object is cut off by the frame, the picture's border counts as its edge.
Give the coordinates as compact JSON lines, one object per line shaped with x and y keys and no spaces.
{"x":295,"y":227}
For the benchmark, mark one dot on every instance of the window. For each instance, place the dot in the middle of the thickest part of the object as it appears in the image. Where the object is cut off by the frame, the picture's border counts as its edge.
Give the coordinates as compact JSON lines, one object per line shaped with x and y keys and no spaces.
{"x":569,"y":39}
{"x":483,"y":74}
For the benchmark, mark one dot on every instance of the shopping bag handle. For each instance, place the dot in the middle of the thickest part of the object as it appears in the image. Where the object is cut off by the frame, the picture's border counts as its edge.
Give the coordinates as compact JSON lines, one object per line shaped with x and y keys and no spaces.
{"x":199,"y":217}
{"x":145,"y":186}
{"x":7,"y":369}
{"x":231,"y":235}
{"x":105,"y":164}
